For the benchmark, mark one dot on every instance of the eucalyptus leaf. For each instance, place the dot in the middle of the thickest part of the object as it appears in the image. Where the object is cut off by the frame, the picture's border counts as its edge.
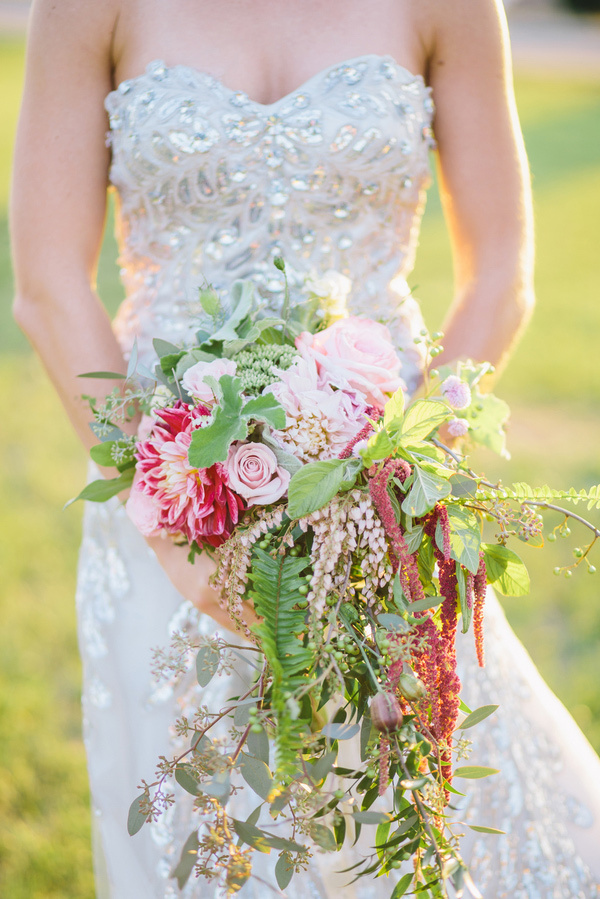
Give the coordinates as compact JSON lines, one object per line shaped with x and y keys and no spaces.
{"x":474,"y":772}
{"x":321,"y":768}
{"x":106,"y":433}
{"x":164,"y":347}
{"x":133,"y":359}
{"x":103,"y":489}
{"x":340,"y":731}
{"x":187,"y":778}
{"x":314,"y":486}
{"x":108,"y":375}
{"x":393,"y":622}
{"x":257,"y":775}
{"x":191,"y":358}
{"x":187,"y":860}
{"x":252,"y":835}
{"x":323,"y":837}
{"x":258,"y":745}
{"x":372,"y":817}
{"x":219,"y":787}
{"x":136,"y":818}
{"x":207,"y":663}
{"x":478,"y":715}
{"x":285,"y":460}
{"x":284,"y":871}
{"x":479,"y":828}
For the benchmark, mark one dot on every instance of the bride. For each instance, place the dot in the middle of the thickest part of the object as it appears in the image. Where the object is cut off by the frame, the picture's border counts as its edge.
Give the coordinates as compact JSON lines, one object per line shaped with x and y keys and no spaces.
{"x":240,"y":131}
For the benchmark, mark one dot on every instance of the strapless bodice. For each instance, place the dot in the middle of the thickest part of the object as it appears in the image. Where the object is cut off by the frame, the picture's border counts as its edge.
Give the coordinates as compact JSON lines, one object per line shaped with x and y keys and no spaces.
{"x":213,"y":185}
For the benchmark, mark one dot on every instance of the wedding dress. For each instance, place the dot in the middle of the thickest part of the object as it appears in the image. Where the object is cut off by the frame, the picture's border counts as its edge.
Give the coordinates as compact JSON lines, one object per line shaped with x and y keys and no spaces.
{"x":212,"y":186}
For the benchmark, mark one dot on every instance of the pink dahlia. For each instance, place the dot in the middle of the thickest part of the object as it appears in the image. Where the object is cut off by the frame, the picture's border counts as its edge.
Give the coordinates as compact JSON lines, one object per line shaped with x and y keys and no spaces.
{"x":195,"y":502}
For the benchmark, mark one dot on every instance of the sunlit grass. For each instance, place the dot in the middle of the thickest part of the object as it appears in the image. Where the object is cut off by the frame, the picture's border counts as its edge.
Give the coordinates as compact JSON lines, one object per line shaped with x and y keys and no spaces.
{"x":553,"y":385}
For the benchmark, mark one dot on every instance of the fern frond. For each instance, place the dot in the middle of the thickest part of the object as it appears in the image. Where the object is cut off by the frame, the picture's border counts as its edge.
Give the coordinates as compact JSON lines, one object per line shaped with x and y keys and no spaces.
{"x":522,"y":492}
{"x":275,"y":591}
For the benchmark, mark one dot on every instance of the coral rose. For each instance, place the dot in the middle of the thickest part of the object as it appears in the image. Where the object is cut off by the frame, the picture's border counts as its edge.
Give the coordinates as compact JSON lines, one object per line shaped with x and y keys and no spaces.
{"x":358,"y":352}
{"x":255,"y":474}
{"x":194,"y":378}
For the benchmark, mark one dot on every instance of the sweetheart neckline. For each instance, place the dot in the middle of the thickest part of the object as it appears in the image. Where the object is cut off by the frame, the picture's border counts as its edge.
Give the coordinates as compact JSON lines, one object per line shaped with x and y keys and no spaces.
{"x":213,"y":80}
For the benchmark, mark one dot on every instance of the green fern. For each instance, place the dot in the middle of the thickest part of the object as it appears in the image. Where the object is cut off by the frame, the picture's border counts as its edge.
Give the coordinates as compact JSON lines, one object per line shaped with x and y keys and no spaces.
{"x":275,"y":591}
{"x":523,"y":492}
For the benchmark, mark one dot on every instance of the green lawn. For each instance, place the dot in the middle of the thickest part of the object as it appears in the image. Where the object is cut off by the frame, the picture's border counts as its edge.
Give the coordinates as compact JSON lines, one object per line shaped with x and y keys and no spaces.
{"x":553,"y":385}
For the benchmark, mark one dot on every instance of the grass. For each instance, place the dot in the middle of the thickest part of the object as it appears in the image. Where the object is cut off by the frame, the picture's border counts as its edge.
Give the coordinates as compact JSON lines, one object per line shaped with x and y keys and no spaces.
{"x":553,"y":385}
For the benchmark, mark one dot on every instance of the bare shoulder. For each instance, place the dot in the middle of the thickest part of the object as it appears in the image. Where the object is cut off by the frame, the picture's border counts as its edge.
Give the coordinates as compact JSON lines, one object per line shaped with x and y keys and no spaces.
{"x":465,"y":33}
{"x":71,"y":32}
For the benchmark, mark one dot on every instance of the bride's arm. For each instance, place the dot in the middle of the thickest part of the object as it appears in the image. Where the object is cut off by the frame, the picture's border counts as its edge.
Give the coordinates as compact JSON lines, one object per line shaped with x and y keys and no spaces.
{"x":484,"y":180}
{"x":58,"y":208}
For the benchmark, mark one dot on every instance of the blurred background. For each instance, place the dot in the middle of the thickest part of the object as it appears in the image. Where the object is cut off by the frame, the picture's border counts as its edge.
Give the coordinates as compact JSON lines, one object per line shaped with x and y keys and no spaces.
{"x":552,"y":385}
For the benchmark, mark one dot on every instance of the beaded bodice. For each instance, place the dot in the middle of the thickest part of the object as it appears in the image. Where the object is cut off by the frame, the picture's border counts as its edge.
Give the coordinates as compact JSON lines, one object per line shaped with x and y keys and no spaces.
{"x":213,"y":185}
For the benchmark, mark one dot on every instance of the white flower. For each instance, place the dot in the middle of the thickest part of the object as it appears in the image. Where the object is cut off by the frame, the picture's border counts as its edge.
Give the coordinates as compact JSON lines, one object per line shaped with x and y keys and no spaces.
{"x":332,"y":288}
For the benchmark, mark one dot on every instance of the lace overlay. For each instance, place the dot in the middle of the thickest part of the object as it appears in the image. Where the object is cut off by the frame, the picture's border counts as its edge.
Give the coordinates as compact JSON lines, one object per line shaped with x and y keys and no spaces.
{"x":213,"y":185}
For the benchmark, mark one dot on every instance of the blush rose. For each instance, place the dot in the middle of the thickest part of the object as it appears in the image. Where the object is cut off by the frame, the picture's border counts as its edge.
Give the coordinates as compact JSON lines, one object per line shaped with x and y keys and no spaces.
{"x":194,"y":379}
{"x":255,"y":474}
{"x":359,"y":352}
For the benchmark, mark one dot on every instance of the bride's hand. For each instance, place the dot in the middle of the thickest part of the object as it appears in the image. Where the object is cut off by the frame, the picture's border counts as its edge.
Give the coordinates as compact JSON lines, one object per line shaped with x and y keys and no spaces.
{"x":192,"y":580}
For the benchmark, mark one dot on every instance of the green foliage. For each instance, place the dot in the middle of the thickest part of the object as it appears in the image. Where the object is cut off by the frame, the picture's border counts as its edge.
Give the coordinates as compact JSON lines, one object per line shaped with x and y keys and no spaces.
{"x":276,"y":591}
{"x":314,"y":485}
{"x":505,"y":570}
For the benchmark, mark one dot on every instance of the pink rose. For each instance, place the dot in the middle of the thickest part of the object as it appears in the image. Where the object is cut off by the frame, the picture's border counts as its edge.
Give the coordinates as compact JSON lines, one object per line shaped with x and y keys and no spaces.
{"x":359,"y":352}
{"x":142,"y":509}
{"x":194,"y":378}
{"x":254,"y":473}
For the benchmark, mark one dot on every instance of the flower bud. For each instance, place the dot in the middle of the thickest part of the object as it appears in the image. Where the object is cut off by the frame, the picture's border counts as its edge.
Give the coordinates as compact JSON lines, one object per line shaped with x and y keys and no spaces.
{"x":386,"y":713}
{"x":411,"y":687}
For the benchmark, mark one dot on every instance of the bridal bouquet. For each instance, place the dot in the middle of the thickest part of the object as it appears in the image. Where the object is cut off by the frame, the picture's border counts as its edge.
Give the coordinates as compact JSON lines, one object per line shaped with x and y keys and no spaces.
{"x":289,"y":450}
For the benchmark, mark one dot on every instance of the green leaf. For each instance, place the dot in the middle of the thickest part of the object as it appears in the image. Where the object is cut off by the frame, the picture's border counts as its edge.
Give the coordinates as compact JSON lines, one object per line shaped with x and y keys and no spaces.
{"x":284,"y":871}
{"x":285,"y":460}
{"x":321,"y":768}
{"x":465,"y":611}
{"x":427,"y":490}
{"x":136,"y":819}
{"x":340,"y":731}
{"x":463,"y":487}
{"x":402,"y":886}
{"x":219,"y":787}
{"x":478,"y":828}
{"x":505,"y":570}
{"x":314,"y":486}
{"x":257,"y":775}
{"x":187,"y":860}
{"x":323,"y":837}
{"x":258,"y":745}
{"x":372,"y":817}
{"x":379,"y":447}
{"x":164,"y":347}
{"x":422,"y":418}
{"x":111,"y":375}
{"x":487,"y":416}
{"x":207,"y":662}
{"x":211,"y":443}
{"x":105,"y":488}
{"x":393,"y":412}
{"x":252,"y":835}
{"x":101,"y":453}
{"x":421,"y":605}
{"x":186,"y":777}
{"x":474,"y":772}
{"x":478,"y":715}
{"x":465,"y":537}
{"x":187,"y":360}
{"x":265,"y":408}
{"x":392,"y":622}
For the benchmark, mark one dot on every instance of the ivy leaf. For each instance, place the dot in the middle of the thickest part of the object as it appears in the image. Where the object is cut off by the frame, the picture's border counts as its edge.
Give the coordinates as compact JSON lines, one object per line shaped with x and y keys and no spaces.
{"x":427,"y":490}
{"x":187,"y":860}
{"x":207,"y":662}
{"x":422,"y":418}
{"x":265,"y":408}
{"x":136,"y":819}
{"x":257,"y":775}
{"x":478,"y":715}
{"x":314,"y":486}
{"x":505,"y":570}
{"x":211,"y":444}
